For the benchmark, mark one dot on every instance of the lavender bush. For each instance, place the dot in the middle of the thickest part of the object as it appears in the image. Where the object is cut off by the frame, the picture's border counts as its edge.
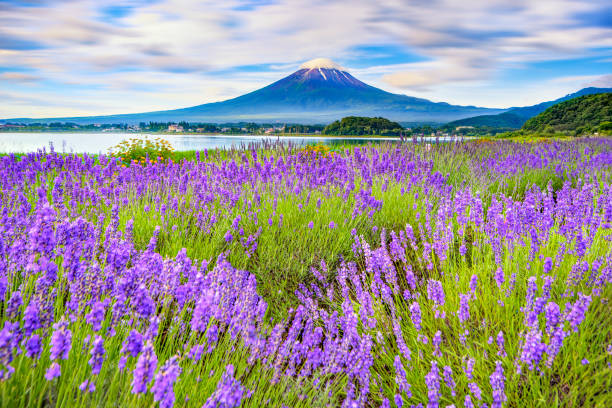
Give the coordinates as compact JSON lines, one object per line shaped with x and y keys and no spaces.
{"x":460,"y":275}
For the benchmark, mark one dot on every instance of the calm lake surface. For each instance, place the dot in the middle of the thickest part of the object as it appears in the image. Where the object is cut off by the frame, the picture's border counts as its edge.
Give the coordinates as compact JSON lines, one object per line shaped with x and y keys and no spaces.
{"x":98,"y":142}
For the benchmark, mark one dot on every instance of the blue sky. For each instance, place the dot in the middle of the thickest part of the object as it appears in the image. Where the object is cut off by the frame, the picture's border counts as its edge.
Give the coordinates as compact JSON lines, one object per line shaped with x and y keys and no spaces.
{"x":84,"y":57}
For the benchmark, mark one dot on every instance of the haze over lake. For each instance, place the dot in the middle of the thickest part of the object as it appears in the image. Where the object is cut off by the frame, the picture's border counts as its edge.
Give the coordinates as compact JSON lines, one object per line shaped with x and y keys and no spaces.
{"x":23,"y":142}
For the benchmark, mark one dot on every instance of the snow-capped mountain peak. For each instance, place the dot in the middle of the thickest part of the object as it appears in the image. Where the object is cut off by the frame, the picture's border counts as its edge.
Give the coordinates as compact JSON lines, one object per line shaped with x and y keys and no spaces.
{"x":321,"y":63}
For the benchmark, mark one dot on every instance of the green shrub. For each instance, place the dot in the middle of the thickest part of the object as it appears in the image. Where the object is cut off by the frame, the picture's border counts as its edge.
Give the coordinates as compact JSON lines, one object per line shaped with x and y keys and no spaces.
{"x":142,"y":150}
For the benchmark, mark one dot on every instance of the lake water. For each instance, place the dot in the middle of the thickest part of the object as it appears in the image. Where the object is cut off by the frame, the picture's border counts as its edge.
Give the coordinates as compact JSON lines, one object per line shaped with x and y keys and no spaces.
{"x":98,"y":142}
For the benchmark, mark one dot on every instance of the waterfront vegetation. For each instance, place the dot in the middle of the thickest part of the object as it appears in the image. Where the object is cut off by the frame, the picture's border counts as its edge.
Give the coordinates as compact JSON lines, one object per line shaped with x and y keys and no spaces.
{"x":469,"y":273}
{"x":363,"y":126}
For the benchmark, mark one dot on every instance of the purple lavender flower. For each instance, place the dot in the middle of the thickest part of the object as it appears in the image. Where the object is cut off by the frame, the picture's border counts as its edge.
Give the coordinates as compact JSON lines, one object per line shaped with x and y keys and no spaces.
{"x":144,"y":370}
{"x":499,"y":277}
{"x":475,"y":390}
{"x":448,"y":379}
{"x":87,"y":386}
{"x":229,"y":392}
{"x":500,"y":344}
{"x":497,"y":380}
{"x":469,"y":368}
{"x":33,"y":346}
{"x":133,"y":343}
{"x":556,"y":335}
{"x":144,"y":306}
{"x":432,"y":381}
{"x":532,"y":348}
{"x":548,"y":264}
{"x":399,"y":401}
{"x":8,"y":340}
{"x":31,"y":318}
{"x":53,"y":371}
{"x":577,"y":313}
{"x":553,"y":316}
{"x":164,"y":382}
{"x":436,"y":341}
{"x":61,"y":340}
{"x":473,"y":285}
{"x":399,"y":338}
{"x":464,"y":308}
{"x":435,"y":292}
{"x":196,"y":352}
{"x":13,"y":305}
{"x":96,"y":316}
{"x":400,"y":377}
{"x":97,"y":355}
{"x":415,"y":315}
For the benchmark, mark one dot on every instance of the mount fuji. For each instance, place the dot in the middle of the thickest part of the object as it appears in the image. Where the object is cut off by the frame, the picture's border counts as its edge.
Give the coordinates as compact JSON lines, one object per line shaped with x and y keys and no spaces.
{"x":320,"y":91}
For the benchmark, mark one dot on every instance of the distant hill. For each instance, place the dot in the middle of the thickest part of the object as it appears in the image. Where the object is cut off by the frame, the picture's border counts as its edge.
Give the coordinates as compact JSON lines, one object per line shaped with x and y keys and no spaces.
{"x":514,"y":118}
{"x":502,"y":120}
{"x":575,"y":116}
{"x":360,"y":126}
{"x":321,"y":91}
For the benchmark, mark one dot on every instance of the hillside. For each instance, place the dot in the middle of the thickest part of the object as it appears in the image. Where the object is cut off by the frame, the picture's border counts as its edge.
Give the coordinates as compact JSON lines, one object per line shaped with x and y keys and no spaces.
{"x":502,"y":120}
{"x":360,"y":126}
{"x":514,"y":118}
{"x":575,"y":116}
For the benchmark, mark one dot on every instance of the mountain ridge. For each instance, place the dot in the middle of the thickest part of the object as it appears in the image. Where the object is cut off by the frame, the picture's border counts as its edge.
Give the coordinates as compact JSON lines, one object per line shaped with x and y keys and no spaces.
{"x":517,"y":116}
{"x":320,"y":91}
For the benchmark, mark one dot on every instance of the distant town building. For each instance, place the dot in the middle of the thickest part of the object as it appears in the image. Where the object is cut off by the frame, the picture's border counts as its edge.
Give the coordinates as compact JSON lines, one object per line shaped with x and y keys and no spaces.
{"x":175,"y":128}
{"x":464,"y":127}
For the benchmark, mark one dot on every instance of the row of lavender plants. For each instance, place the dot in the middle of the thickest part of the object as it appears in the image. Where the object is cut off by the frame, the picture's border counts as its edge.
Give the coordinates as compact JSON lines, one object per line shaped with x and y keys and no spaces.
{"x":466,"y":274}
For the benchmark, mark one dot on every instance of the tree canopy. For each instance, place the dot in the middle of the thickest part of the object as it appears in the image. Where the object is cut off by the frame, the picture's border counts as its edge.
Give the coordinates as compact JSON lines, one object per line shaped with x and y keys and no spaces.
{"x":576,"y":116}
{"x":363,"y":126}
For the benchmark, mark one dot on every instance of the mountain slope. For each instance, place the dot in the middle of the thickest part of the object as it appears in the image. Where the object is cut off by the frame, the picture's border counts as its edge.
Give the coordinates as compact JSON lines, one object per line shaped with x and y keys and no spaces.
{"x":502,"y":120}
{"x":319,"y":92}
{"x":516,"y":117}
{"x":575,"y":116}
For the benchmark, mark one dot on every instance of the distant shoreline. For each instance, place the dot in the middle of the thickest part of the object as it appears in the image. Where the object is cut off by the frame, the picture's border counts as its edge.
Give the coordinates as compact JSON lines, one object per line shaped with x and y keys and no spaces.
{"x":271,"y":136}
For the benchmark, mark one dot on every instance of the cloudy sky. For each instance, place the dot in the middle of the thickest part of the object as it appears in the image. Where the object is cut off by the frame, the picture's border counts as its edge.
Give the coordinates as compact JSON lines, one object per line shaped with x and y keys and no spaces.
{"x":83,"y":57}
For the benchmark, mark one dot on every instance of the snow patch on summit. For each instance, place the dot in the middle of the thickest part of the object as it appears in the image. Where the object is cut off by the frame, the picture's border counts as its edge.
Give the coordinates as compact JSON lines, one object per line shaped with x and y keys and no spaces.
{"x":319,"y":63}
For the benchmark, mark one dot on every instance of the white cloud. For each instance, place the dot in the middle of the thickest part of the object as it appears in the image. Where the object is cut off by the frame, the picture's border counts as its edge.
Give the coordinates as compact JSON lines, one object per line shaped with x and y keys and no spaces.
{"x":604,"y":81}
{"x":164,"y":54}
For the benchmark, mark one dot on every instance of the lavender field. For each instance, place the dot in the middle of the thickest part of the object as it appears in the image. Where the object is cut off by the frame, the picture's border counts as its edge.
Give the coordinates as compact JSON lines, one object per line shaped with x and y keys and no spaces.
{"x":467,"y":274}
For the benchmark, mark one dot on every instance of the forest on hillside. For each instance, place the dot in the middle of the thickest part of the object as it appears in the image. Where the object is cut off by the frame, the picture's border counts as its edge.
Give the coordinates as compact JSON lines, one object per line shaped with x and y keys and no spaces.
{"x":362,"y":126}
{"x":586,"y":114}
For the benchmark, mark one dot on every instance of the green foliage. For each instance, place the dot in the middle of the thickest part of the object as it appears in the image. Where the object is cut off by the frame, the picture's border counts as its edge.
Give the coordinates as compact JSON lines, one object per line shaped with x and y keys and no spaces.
{"x":605,"y":128}
{"x":140,"y":150}
{"x":573,"y":117}
{"x":360,"y":126}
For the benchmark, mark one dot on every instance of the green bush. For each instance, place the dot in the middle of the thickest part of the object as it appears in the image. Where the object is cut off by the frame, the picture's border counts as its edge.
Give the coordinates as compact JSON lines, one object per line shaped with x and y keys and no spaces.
{"x":142,"y":150}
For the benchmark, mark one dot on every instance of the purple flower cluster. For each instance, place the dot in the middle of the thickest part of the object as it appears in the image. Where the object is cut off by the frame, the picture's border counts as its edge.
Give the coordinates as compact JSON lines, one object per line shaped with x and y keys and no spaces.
{"x":68,"y":265}
{"x":229,"y":392}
